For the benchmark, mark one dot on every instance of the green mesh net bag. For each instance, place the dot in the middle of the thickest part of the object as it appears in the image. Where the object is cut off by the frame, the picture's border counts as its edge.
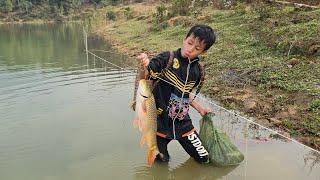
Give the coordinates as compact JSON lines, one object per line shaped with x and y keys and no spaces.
{"x":221,"y":150}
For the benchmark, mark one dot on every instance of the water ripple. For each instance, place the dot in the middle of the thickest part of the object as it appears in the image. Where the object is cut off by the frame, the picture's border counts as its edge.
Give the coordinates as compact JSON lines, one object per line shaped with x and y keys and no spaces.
{"x":55,"y":78}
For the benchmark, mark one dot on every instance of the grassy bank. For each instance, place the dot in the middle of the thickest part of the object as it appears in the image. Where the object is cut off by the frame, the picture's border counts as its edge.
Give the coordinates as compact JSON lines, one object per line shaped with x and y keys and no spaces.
{"x":266,"y":62}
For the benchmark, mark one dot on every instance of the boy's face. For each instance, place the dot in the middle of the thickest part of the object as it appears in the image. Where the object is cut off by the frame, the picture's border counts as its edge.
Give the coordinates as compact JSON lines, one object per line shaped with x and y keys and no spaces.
{"x":192,"y":47}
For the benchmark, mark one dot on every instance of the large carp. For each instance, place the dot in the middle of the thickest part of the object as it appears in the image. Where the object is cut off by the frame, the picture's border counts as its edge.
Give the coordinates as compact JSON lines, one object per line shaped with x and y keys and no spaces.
{"x":146,"y":119}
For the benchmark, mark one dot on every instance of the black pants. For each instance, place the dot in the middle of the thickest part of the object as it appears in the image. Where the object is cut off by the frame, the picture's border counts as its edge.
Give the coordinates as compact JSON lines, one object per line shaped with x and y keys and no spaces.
{"x":191,"y":144}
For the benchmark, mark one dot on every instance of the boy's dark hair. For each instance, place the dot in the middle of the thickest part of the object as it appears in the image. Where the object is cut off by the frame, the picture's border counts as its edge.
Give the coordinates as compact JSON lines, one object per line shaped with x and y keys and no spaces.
{"x":204,"y":33}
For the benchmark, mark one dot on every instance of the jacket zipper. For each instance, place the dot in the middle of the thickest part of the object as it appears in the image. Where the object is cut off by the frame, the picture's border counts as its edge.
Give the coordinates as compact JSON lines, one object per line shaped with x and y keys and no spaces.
{"x":185,"y":84}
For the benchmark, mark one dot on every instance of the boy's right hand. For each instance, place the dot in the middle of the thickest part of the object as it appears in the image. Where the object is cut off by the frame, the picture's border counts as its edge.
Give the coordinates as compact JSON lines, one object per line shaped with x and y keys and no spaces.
{"x":144,"y":60}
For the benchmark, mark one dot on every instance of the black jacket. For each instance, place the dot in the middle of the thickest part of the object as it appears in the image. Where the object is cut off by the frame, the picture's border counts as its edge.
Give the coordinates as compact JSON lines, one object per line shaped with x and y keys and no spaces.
{"x":173,"y":118}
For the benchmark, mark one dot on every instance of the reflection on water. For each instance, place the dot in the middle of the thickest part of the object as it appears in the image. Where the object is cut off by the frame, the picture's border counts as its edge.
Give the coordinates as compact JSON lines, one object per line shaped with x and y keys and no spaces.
{"x":65,"y":118}
{"x":187,"y":170}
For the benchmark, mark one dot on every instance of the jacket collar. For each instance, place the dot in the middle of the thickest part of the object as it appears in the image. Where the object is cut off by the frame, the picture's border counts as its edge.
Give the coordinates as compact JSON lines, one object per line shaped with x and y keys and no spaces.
{"x":178,"y":54}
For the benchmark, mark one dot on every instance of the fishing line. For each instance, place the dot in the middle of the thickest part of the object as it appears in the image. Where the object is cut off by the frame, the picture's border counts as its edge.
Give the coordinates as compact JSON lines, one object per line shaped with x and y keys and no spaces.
{"x":106,"y":60}
{"x":212,"y":103}
{"x":206,"y":100}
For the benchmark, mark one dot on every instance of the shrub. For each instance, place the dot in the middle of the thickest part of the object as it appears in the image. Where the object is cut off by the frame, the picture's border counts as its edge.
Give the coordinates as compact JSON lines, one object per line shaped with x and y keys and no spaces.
{"x":315,"y":105}
{"x":181,"y":7}
{"x":240,"y":8}
{"x":161,"y":14}
{"x":159,"y":27}
{"x":264,"y":11}
{"x":128,"y":13}
{"x":110,"y":15}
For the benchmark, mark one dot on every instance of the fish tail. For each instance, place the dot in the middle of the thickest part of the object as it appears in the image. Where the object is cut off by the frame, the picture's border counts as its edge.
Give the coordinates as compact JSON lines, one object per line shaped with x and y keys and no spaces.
{"x":151,"y":156}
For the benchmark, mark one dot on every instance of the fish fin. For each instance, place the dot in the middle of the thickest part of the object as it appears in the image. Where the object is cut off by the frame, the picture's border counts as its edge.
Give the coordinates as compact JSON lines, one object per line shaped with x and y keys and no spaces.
{"x":142,"y":141}
{"x":136,"y":122}
{"x":133,"y":105}
{"x":151,"y":156}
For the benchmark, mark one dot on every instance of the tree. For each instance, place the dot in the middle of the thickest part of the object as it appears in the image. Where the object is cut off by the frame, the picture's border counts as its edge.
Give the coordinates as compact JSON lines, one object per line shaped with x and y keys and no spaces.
{"x":6,"y":6}
{"x":25,"y":5}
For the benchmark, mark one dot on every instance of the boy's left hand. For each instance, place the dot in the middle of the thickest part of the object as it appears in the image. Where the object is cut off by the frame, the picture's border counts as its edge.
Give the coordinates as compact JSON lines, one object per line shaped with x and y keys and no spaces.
{"x":203,"y":111}
{"x":200,"y":108}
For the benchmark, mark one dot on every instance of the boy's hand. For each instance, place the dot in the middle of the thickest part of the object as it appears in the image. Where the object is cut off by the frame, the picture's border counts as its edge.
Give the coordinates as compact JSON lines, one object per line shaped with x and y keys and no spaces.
{"x":143,"y":58}
{"x":200,"y":108}
{"x":204,"y":111}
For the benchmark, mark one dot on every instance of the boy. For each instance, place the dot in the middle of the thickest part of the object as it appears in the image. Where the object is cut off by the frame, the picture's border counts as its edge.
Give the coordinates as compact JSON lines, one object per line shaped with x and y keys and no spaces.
{"x":183,"y":73}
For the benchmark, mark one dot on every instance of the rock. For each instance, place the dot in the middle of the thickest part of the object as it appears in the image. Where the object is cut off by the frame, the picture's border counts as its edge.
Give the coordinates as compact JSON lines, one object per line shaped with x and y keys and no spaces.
{"x":238,"y":99}
{"x":314,"y":50}
{"x":275,"y":121}
{"x":266,"y":108}
{"x":142,"y":17}
{"x":249,"y":105}
{"x":282,"y":115}
{"x":228,"y":98}
{"x":240,"y":96}
{"x":292,"y":110}
{"x":286,"y":134}
{"x":181,"y":20}
{"x":293,"y":62}
{"x":285,"y":113}
{"x":204,"y":18}
{"x":215,"y":89}
{"x":263,"y":121}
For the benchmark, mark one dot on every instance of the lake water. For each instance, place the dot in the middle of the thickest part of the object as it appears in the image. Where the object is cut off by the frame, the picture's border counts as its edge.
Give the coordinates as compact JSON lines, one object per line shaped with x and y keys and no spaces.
{"x":64,"y":118}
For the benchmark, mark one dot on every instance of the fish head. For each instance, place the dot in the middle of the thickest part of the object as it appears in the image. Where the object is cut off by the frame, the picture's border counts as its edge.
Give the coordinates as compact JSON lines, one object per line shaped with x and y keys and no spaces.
{"x":145,"y":88}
